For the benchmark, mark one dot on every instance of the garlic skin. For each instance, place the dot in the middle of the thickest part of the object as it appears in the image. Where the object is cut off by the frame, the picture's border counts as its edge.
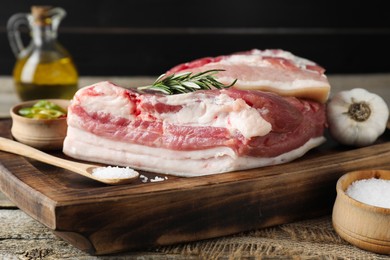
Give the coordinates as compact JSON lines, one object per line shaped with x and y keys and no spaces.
{"x":357,"y":117}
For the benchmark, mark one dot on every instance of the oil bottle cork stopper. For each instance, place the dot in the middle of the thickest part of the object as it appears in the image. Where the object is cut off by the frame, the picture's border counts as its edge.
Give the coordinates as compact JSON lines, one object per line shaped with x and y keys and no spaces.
{"x":40,"y":14}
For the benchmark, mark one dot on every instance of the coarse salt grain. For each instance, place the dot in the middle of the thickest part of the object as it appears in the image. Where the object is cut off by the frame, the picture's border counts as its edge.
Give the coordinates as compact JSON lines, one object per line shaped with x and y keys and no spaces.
{"x":157,"y":179}
{"x":375,"y":192}
{"x":116,"y":172}
{"x":143,"y":178}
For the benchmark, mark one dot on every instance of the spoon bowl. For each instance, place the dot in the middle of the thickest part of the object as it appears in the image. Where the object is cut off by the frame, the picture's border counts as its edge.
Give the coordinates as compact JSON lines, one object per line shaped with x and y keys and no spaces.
{"x":84,"y":169}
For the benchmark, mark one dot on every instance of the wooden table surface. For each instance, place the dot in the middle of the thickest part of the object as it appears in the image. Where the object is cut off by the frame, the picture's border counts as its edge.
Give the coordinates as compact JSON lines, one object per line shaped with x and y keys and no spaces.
{"x":21,"y":237}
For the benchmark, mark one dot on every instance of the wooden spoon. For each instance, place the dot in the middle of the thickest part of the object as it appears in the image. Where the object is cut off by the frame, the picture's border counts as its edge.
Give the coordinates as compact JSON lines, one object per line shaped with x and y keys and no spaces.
{"x":84,"y":169}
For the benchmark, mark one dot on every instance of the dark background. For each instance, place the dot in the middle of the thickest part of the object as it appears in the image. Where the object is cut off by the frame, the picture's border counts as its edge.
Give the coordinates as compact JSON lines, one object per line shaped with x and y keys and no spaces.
{"x":147,"y":37}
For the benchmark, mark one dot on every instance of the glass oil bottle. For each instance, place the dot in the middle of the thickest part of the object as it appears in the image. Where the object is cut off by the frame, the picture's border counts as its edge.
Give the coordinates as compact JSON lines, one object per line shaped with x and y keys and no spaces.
{"x":44,"y":69}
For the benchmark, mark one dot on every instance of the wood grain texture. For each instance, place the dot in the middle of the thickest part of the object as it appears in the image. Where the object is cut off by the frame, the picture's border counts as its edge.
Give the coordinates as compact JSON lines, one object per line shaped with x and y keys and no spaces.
{"x":5,"y":202}
{"x":101,"y":219}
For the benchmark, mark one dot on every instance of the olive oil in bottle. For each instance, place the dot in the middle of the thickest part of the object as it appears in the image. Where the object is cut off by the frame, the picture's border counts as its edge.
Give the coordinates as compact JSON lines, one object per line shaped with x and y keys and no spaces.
{"x":44,"y":69}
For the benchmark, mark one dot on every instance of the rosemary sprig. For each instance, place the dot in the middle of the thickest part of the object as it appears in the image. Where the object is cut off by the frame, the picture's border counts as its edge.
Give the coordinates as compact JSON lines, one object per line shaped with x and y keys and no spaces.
{"x":186,"y":82}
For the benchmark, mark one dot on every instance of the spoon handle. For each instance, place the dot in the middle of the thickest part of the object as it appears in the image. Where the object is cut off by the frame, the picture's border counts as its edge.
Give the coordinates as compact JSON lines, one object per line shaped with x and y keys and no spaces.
{"x":14,"y":147}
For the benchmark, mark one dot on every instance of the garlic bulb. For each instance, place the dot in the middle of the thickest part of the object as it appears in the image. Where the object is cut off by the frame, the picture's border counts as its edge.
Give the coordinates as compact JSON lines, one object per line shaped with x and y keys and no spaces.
{"x":357,"y":117}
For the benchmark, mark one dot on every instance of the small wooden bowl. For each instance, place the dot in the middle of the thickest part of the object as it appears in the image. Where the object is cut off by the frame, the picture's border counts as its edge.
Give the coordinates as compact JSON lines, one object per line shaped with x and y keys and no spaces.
{"x":43,"y":134}
{"x":363,"y":225}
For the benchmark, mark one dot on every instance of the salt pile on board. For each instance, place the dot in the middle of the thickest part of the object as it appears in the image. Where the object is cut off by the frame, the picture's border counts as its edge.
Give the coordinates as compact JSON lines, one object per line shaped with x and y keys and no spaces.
{"x":145,"y":179}
{"x":375,"y":192}
{"x":110,"y":172}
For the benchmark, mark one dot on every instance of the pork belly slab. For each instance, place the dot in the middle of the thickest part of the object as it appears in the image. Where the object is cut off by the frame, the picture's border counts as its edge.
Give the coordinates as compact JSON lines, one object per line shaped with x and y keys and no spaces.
{"x":193,"y":134}
{"x":276,"y":71}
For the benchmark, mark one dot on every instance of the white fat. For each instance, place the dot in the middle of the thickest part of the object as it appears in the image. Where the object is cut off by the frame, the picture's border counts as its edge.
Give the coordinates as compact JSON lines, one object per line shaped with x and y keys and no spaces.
{"x":298,"y":84}
{"x":220,"y":111}
{"x":255,"y":58}
{"x":249,"y":124}
{"x":247,"y":60}
{"x":81,"y":145}
{"x":112,"y":101}
{"x":75,"y":133}
{"x":286,"y":55}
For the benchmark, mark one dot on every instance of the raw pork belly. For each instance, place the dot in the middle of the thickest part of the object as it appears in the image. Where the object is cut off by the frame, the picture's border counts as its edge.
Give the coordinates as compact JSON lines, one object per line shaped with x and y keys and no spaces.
{"x":276,"y":71}
{"x":198,"y":133}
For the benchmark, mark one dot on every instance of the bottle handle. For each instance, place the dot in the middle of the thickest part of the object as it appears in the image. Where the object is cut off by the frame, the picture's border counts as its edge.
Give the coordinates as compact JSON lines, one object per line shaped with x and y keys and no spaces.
{"x":57,"y":14}
{"x":13,"y":24}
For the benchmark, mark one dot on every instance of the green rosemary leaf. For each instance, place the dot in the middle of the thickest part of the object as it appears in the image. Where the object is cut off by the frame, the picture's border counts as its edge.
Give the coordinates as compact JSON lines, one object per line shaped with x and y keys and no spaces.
{"x":159,"y":78}
{"x":186,"y":82}
{"x":202,"y":85}
{"x":190,"y":84}
{"x":160,"y":89}
{"x":208,"y":72}
{"x":178,"y":87}
{"x":182,"y":75}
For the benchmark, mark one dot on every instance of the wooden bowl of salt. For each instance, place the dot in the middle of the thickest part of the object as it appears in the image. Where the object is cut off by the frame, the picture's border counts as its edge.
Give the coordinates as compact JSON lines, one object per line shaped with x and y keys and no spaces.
{"x":361,"y":213}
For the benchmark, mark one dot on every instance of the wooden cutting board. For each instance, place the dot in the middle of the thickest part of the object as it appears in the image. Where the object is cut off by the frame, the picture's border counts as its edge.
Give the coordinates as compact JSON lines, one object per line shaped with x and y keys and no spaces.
{"x":103,"y":219}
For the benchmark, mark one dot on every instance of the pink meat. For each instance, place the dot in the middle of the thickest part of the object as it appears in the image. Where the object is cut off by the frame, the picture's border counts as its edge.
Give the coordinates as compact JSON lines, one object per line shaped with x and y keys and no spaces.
{"x":108,"y":113}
